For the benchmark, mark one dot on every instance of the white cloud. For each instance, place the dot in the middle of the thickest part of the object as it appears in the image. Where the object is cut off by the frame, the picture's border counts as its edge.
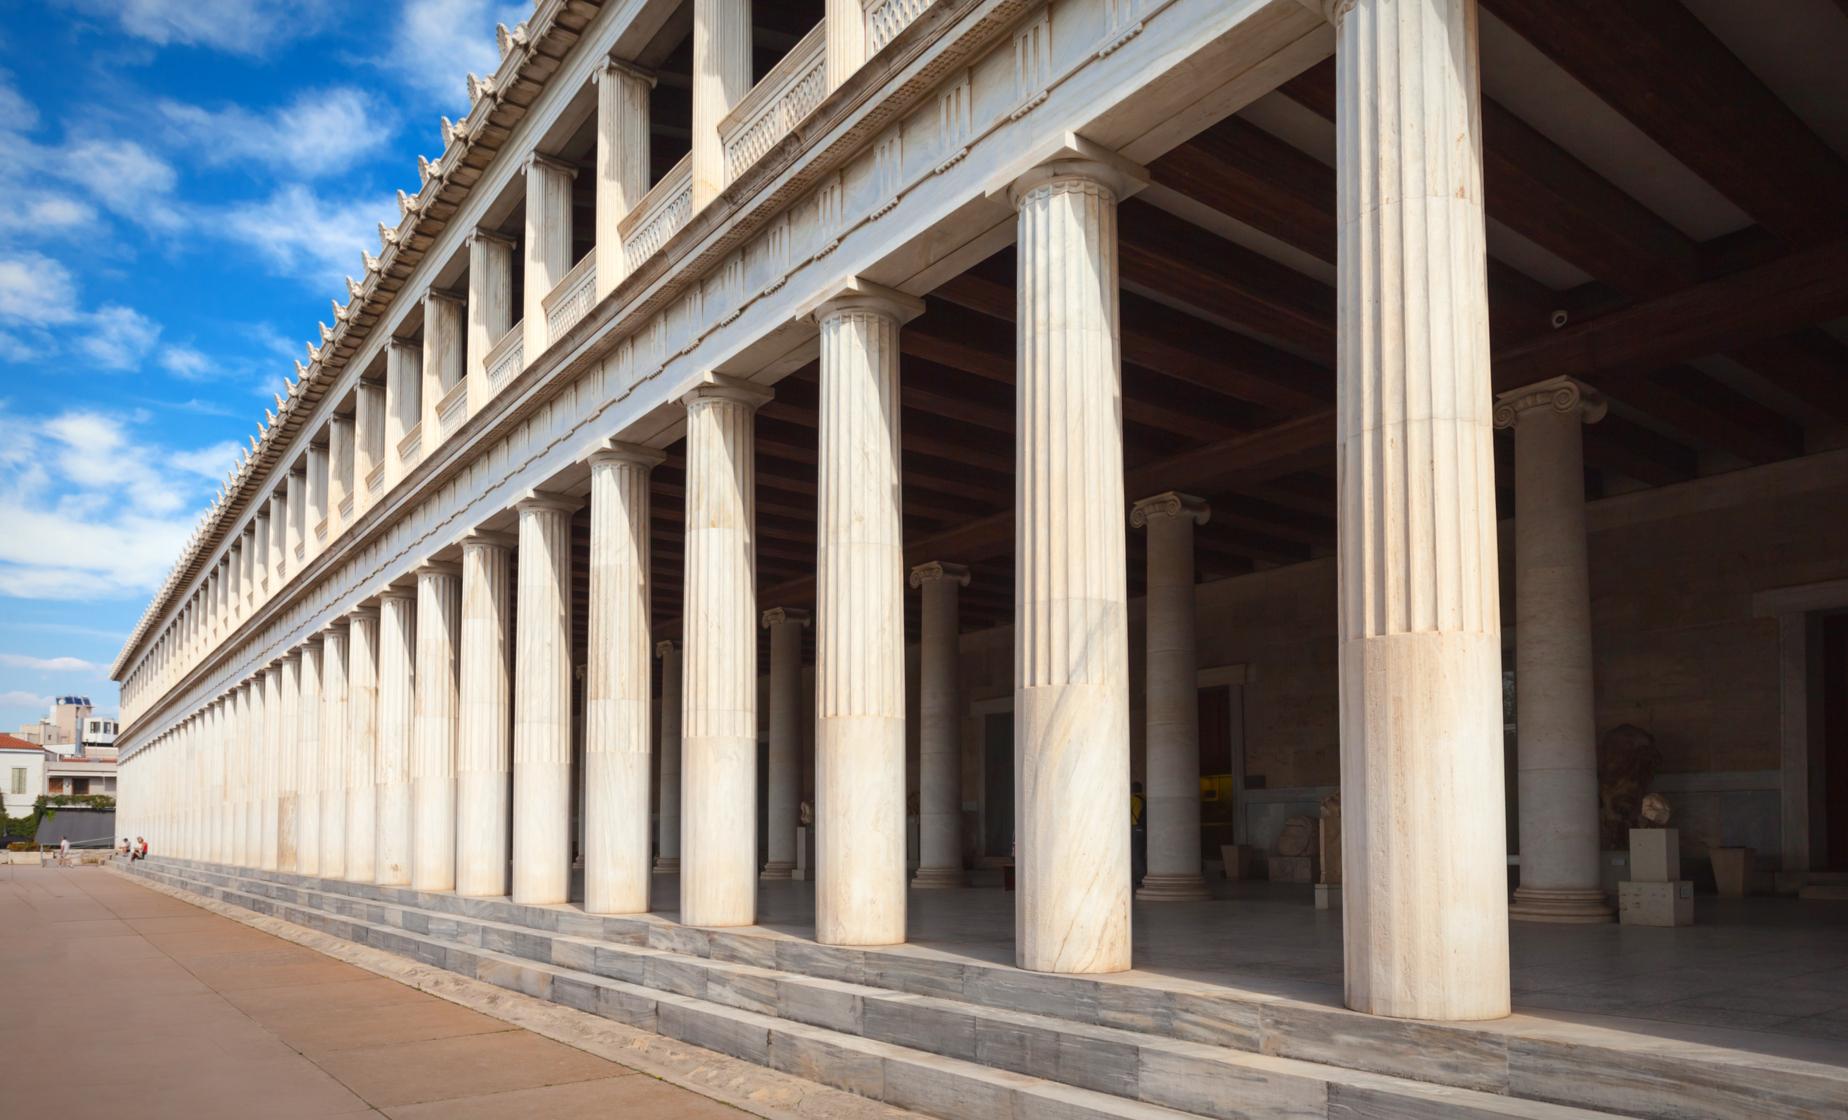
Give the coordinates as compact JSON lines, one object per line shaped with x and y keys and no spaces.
{"x":321,"y":132}
{"x":18,"y":698}
{"x":440,"y":42}
{"x":184,"y":361}
{"x":35,"y":289}
{"x":303,"y":235}
{"x":49,"y":664}
{"x":236,"y":26}
{"x":212,"y":462}
{"x":94,"y":506}
{"x":13,"y":105}
{"x":118,"y":337}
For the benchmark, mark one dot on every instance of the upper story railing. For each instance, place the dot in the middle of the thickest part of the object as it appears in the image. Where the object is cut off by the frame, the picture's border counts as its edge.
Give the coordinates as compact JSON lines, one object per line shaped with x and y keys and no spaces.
{"x":452,"y":409}
{"x":573,"y":298}
{"x":666,"y":207}
{"x":886,"y":18}
{"x":773,"y":108}
{"x":506,"y":357}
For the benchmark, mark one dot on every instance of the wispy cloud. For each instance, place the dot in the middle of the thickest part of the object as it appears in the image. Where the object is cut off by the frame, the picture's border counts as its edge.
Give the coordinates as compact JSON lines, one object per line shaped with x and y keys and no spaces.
{"x":251,"y":27}
{"x":49,"y":664}
{"x":18,"y":698}
{"x":321,"y":132}
{"x":440,"y":42}
{"x":303,"y":235}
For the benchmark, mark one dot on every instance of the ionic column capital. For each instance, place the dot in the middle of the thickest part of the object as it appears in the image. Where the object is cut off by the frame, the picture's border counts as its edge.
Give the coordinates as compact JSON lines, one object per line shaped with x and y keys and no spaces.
{"x":1172,"y":503}
{"x":1556,"y":394}
{"x":776,"y":616}
{"x":547,"y":500}
{"x":630,"y":454}
{"x":666,"y":647}
{"x":616,"y":66}
{"x":719,"y":387}
{"x":855,"y":294}
{"x":435,"y":295}
{"x":1072,"y":162}
{"x":491,"y":237}
{"x":439,"y":568}
{"x":1330,"y":10}
{"x":549,"y":163}
{"x":489,"y":538}
{"x":935,"y":570}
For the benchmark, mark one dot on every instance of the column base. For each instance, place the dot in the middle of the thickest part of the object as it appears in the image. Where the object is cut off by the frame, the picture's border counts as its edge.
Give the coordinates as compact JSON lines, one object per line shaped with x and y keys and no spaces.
{"x":1575,"y":905}
{"x":1173,"y":888}
{"x":667,"y":865}
{"x":939,"y":878}
{"x":777,"y":869}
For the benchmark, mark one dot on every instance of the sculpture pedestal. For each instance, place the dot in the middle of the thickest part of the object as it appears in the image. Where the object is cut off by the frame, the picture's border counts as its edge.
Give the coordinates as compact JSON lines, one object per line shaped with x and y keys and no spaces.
{"x":1655,"y":855}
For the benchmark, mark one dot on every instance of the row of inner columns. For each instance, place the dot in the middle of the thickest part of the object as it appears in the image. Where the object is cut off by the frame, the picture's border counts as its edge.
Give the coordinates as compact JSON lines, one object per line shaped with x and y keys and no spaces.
{"x":423,"y":711}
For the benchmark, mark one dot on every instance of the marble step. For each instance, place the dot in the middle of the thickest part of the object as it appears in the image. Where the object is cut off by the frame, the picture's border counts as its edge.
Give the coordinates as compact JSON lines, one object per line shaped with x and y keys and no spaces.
{"x":945,"y":1057}
{"x":1524,"y":1057}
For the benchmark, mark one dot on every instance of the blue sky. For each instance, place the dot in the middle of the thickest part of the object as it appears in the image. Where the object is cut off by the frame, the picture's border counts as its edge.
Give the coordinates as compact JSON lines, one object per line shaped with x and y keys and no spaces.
{"x":183,"y":186}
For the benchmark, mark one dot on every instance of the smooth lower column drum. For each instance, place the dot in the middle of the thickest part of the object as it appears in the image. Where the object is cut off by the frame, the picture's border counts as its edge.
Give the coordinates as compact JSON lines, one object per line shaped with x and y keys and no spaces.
{"x":1557,"y":753}
{"x":361,"y":744}
{"x":860,"y":622}
{"x":617,"y":749}
{"x":308,"y":761}
{"x":1424,"y":904}
{"x":484,"y":749}
{"x":1071,"y":626}
{"x":542,"y":704}
{"x":783,"y":783}
{"x":269,"y":790}
{"x":288,"y":730}
{"x":718,"y":818}
{"x":433,"y":747}
{"x":939,"y":726}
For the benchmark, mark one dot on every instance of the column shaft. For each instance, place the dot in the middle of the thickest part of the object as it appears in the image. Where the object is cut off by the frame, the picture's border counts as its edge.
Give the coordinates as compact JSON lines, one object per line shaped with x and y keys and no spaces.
{"x":308,"y":762}
{"x":333,"y":751}
{"x":622,"y":162}
{"x":542,"y":706}
{"x":548,"y":243}
{"x":1171,"y":700}
{"x":667,"y":797}
{"x":721,"y":76}
{"x":270,"y":787}
{"x":718,"y":878}
{"x":846,"y":39}
{"x":433,"y":757}
{"x":490,"y":308}
{"x":940,"y":860}
{"x":1425,"y":908}
{"x":617,"y":686}
{"x":362,"y":745}
{"x":391,"y":766}
{"x":860,"y":632}
{"x":1557,"y":757}
{"x":784,"y":760}
{"x":484,"y":755}
{"x":1071,"y":659}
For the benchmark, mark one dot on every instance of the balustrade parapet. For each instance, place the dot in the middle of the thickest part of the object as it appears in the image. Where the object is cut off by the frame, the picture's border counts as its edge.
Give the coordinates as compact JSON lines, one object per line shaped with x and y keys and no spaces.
{"x":572,"y":299}
{"x":666,"y":207}
{"x":773,"y":108}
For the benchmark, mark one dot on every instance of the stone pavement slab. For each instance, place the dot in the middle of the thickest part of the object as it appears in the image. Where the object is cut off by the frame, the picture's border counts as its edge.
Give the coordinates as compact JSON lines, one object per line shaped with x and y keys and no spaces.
{"x":129,"y":1003}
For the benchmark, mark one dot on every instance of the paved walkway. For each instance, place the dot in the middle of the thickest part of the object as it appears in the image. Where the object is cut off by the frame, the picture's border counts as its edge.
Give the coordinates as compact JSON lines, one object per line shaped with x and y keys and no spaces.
{"x":121,"y":1001}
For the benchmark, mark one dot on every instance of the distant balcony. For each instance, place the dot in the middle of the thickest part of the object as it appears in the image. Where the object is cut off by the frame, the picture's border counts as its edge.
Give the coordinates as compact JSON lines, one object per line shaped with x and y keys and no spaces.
{"x":773,"y":108}
{"x":572,"y":299}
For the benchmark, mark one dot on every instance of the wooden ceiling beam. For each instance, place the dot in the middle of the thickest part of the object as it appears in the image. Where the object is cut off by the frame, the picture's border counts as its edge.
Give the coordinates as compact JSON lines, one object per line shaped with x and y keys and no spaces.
{"x":1810,"y":365}
{"x":1709,"y":412}
{"x":1657,"y":65}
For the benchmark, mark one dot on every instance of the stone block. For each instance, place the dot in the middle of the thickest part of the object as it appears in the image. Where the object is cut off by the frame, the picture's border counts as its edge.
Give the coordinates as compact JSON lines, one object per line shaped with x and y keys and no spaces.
{"x":816,"y":1056}
{"x":1655,"y":855}
{"x":1228,"y":1085}
{"x":1732,"y":871}
{"x":1656,"y":904}
{"x":921,"y":1024}
{"x":1293,"y":869}
{"x":822,"y":1003}
{"x":736,"y":1033}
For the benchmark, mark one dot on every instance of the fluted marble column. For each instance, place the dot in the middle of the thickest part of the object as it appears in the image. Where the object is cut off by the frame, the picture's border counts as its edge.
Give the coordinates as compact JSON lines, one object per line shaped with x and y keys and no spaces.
{"x":1425,"y":909}
{"x":542,"y":704}
{"x":217,"y":791}
{"x":845,"y":47}
{"x":940,"y":861}
{"x":239,"y":778}
{"x":490,"y":308}
{"x":1071,"y":633}
{"x":860,"y":630}
{"x":718,"y":876}
{"x":1171,"y":699}
{"x":433,"y":751}
{"x":362,"y":745}
{"x":617,"y":750}
{"x":548,"y":243}
{"x":784,"y":760}
{"x":622,"y":161}
{"x":667,"y":844}
{"x":721,"y":77}
{"x":391,"y":767}
{"x":269,"y":841}
{"x":333,"y":750}
{"x":308,"y":761}
{"x":484,"y":754}
{"x":1557,"y":758}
